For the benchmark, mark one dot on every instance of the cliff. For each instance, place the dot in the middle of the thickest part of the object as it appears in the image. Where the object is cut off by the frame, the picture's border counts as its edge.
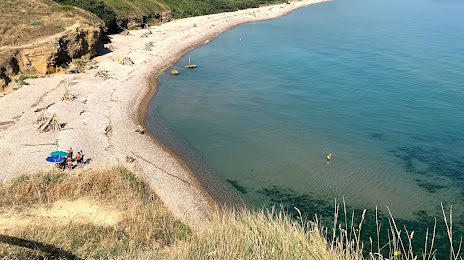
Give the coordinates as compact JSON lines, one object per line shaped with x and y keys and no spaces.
{"x":45,"y":58}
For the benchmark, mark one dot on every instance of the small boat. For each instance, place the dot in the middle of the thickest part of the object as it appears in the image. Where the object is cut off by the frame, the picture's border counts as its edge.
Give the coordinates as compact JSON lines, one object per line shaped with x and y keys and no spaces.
{"x":190,"y":66}
{"x":174,"y":72}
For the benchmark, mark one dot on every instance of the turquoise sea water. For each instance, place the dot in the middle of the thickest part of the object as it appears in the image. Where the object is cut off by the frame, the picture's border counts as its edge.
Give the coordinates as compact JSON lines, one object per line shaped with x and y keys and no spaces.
{"x":380,"y":84}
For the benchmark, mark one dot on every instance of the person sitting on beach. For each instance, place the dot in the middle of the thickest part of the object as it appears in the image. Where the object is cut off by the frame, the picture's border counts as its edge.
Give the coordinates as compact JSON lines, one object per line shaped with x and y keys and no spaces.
{"x":69,"y":162}
{"x":82,"y":156}
{"x":70,"y":152}
{"x":79,"y":159}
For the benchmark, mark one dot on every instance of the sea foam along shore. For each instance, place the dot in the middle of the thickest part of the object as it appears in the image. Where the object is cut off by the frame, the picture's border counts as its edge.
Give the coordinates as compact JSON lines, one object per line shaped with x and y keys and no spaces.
{"x":103,"y":118}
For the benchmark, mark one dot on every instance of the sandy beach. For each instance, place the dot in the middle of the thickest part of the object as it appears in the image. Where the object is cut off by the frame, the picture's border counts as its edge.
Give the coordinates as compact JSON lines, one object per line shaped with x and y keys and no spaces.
{"x":103,"y":119}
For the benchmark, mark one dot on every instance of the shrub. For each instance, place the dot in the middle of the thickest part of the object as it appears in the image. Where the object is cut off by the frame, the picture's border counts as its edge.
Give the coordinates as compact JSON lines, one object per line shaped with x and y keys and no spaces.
{"x":97,"y":7}
{"x":36,"y":23}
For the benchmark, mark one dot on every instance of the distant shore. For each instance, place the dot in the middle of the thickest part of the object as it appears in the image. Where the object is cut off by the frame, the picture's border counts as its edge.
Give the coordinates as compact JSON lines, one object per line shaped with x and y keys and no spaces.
{"x":103,"y":119}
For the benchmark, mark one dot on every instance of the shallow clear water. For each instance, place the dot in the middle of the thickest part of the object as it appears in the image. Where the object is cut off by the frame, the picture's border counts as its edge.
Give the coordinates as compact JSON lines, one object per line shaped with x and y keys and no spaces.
{"x":380,"y":84}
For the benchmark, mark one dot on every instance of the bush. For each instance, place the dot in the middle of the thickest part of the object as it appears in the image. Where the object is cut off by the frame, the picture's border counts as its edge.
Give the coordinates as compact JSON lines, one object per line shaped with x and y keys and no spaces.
{"x":36,"y":23}
{"x":97,"y":7}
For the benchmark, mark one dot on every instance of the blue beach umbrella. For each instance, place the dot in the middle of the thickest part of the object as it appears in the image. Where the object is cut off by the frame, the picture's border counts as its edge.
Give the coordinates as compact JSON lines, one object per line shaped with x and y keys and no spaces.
{"x":55,"y":159}
{"x":59,"y":153}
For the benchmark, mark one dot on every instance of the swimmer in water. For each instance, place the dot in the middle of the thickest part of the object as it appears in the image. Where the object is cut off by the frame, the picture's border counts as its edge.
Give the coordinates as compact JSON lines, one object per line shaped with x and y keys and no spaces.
{"x":329,"y":156}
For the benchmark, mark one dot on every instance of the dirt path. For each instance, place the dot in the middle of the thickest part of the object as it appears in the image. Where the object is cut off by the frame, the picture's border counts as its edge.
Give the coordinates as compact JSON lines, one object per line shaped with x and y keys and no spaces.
{"x":42,"y":40}
{"x":62,"y":212}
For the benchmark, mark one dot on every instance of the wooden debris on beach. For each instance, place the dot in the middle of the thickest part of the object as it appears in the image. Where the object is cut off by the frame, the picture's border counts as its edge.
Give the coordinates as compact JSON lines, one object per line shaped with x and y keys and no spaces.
{"x":105,"y":74}
{"x":127,"y":61}
{"x":174,"y":72}
{"x":148,"y":46}
{"x":67,"y":95}
{"x":125,"y":32}
{"x":140,"y":129}
{"x":148,"y":27}
{"x":108,"y":130}
{"x":145,"y":35}
{"x":48,"y":122}
{"x":44,"y":108}
{"x":109,"y":46}
{"x":129,"y":159}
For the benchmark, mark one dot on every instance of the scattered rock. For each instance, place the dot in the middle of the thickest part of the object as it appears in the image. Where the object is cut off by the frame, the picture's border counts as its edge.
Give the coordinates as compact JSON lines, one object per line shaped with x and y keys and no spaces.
{"x":140,"y":129}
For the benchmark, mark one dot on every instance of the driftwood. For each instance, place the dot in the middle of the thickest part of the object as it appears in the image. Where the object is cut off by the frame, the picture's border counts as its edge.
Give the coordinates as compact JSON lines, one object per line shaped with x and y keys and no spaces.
{"x":48,"y":122}
{"x":127,"y":61}
{"x":125,"y":32}
{"x":145,"y":35}
{"x":44,"y":108}
{"x":148,"y":46}
{"x":67,"y":95}
{"x":108,"y":130}
{"x":47,"y":144}
{"x":103,"y":74}
{"x":109,"y":47}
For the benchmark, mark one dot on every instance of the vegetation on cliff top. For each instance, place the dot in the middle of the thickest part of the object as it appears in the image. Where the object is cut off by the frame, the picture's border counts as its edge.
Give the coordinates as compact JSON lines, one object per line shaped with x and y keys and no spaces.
{"x":145,"y":229}
{"x":97,"y":7}
{"x":23,"y":21}
{"x":109,"y":10}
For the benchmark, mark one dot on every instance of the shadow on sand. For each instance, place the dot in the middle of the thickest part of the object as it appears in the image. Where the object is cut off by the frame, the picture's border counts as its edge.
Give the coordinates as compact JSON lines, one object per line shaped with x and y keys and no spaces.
{"x":54,"y":252}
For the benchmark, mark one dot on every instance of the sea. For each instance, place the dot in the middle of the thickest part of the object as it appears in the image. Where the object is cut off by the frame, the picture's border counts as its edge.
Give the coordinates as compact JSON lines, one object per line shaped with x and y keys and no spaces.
{"x":378,"y":83}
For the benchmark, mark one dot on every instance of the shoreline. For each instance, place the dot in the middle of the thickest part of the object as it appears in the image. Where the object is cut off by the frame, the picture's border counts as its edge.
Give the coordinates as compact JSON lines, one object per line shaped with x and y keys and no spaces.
{"x":103,"y":118}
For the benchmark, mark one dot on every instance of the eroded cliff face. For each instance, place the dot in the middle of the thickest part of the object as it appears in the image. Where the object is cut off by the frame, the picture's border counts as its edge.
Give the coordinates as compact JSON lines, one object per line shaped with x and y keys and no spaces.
{"x":46,"y":57}
{"x":139,"y":21}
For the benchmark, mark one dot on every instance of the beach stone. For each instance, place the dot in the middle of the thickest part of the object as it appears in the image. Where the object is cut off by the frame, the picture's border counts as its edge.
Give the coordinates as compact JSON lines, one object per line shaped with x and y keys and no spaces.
{"x":2,"y":84}
{"x":117,"y":60}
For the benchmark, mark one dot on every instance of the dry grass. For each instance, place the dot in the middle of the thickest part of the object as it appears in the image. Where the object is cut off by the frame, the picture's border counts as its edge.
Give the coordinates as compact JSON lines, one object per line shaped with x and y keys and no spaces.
{"x":24,"y":21}
{"x":147,"y":230}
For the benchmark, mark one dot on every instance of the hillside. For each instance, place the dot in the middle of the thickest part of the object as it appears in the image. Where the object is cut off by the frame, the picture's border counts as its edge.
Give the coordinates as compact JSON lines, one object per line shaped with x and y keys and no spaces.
{"x":25,"y":21}
{"x":131,"y":14}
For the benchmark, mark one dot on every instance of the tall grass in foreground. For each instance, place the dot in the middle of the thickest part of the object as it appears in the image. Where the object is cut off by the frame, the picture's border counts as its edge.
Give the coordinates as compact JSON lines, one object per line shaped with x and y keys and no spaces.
{"x":145,"y":228}
{"x":274,"y":234}
{"x":149,"y":231}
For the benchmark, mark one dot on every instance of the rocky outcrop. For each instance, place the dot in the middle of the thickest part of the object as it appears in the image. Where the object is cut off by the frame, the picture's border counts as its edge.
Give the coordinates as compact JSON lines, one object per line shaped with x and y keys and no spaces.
{"x":139,"y":21}
{"x":46,"y":57}
{"x":78,"y":43}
